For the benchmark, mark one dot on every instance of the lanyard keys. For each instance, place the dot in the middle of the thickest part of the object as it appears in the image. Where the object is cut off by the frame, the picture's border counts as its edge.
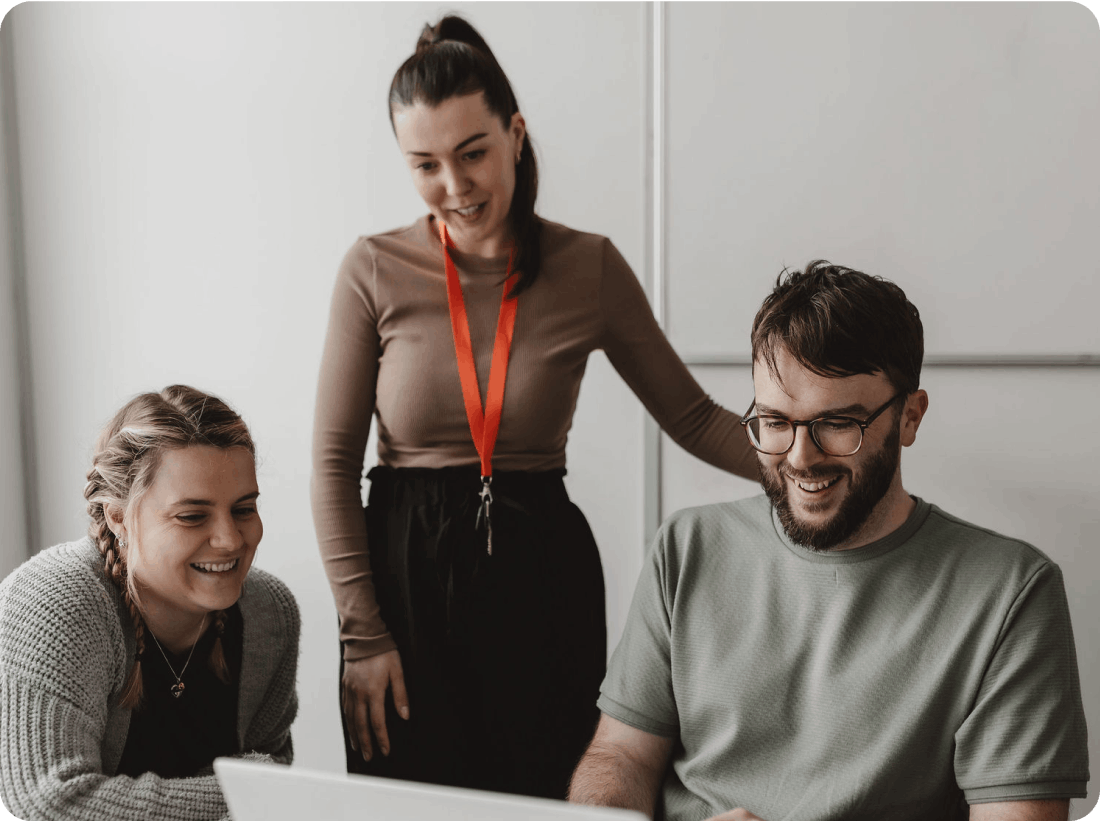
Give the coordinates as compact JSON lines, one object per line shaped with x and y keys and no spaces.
{"x":484,"y":512}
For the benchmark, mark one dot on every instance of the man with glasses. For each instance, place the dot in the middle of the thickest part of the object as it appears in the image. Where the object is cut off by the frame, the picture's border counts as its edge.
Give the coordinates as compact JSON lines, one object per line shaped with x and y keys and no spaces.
{"x":836,"y":648}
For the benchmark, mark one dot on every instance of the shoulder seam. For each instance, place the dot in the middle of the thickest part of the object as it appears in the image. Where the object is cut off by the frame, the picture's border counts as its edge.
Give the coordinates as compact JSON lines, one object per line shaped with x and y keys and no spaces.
{"x":936,"y":511}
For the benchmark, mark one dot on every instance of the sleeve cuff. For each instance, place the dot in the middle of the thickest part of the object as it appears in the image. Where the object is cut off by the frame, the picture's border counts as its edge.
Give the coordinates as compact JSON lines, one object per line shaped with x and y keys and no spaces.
{"x":355,"y":649}
{"x":636,"y":719}
{"x":1033,"y":791}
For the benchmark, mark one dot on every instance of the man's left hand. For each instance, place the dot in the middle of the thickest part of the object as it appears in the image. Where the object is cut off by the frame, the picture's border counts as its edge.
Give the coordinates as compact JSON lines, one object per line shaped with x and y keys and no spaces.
{"x":738,"y":814}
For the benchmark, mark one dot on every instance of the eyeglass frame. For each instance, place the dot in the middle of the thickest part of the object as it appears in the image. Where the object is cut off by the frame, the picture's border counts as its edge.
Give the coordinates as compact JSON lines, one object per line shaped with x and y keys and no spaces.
{"x":809,"y":425}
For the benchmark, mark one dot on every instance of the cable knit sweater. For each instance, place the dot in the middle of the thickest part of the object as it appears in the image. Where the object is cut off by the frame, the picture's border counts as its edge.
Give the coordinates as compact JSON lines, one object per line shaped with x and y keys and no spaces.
{"x":66,"y":646}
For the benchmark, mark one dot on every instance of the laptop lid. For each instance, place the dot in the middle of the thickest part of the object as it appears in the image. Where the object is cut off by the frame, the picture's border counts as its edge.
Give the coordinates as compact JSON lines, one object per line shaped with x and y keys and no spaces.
{"x":270,"y":792}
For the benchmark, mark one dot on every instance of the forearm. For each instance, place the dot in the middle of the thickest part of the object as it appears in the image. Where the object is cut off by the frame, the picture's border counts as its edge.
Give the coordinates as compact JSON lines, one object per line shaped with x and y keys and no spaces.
{"x":52,"y":771}
{"x":638,"y":349}
{"x":119,"y":799}
{"x":1048,"y":810}
{"x":342,"y":421}
{"x":709,"y":432}
{"x":607,"y":777}
{"x":342,"y":541}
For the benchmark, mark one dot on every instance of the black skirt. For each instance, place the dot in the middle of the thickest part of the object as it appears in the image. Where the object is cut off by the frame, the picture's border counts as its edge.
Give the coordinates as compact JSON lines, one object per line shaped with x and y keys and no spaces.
{"x":503,"y":654}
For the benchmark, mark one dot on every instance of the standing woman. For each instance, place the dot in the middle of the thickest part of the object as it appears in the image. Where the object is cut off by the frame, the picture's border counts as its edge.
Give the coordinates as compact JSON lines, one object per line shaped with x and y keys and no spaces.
{"x":471,"y":597}
{"x":131,"y":658}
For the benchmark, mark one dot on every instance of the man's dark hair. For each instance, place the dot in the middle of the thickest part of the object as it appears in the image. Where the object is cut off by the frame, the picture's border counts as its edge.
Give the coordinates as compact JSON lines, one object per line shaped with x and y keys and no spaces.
{"x":839,"y":322}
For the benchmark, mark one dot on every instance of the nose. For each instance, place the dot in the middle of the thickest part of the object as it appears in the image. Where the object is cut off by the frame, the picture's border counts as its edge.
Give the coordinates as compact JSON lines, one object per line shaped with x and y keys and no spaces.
{"x":455,"y":180}
{"x":226,"y":534}
{"x":804,"y":453}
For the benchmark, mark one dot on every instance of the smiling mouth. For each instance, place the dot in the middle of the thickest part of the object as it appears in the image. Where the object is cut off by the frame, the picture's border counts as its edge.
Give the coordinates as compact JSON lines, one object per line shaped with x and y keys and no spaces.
{"x":216,"y":567}
{"x":816,"y":487}
{"x":469,"y":211}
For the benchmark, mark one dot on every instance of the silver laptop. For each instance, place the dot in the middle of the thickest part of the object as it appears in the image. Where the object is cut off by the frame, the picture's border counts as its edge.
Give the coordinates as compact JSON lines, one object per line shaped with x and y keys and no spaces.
{"x":268,"y":792}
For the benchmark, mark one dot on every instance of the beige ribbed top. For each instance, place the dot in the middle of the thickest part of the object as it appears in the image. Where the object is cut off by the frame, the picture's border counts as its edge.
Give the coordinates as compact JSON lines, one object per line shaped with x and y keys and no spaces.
{"x":389,"y":352}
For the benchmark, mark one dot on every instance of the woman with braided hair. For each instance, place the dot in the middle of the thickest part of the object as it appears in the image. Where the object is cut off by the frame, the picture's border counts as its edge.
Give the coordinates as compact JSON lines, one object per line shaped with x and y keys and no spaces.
{"x":470,"y":595}
{"x":132,"y":658}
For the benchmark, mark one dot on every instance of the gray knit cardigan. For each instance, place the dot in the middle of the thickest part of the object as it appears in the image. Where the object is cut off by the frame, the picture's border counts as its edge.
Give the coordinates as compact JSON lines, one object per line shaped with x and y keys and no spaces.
{"x":66,"y":646}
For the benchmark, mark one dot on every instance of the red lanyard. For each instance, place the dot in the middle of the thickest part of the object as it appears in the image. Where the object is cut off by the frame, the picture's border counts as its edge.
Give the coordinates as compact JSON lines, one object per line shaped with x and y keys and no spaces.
{"x":484,"y":424}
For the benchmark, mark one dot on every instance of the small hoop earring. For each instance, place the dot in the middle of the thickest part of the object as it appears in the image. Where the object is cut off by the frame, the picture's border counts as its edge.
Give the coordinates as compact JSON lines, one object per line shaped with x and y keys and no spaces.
{"x":122,"y":543}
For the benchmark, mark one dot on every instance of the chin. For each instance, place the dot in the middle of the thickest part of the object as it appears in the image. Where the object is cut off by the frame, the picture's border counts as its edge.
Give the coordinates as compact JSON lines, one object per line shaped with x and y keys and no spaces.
{"x":223,"y":599}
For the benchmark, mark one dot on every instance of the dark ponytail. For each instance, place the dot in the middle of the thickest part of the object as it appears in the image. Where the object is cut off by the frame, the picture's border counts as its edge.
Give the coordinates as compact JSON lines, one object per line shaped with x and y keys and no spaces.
{"x":453,"y":60}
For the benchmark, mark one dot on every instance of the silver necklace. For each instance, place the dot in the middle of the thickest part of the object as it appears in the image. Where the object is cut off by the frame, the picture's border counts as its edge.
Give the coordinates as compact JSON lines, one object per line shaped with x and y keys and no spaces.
{"x":178,"y":687}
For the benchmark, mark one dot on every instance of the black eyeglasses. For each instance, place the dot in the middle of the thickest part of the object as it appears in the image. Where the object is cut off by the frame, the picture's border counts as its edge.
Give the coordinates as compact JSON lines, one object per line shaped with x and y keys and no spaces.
{"x":834,"y":435}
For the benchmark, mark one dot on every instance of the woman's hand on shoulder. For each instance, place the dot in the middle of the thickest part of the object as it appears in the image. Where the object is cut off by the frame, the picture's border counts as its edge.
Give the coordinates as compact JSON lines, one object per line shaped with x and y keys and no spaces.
{"x":363,"y":697}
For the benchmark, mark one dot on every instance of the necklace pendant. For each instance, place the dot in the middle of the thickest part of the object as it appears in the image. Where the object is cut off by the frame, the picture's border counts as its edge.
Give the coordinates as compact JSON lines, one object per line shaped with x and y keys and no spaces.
{"x":177,"y":689}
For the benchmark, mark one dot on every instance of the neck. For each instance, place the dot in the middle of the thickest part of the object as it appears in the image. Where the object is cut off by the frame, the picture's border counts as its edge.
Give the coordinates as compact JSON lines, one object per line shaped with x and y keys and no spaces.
{"x":491,"y":247}
{"x":176,"y":632}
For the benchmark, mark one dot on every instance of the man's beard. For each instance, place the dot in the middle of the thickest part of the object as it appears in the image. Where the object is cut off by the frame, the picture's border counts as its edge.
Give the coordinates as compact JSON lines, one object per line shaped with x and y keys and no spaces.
{"x":864,"y":493}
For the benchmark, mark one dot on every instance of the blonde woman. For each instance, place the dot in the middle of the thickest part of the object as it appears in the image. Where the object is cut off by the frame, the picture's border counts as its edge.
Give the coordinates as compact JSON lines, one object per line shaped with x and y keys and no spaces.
{"x":132,"y":658}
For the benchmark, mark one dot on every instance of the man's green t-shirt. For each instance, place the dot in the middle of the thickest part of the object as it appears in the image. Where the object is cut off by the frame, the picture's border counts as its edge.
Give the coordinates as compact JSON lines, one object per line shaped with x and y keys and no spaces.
{"x":900,"y":680}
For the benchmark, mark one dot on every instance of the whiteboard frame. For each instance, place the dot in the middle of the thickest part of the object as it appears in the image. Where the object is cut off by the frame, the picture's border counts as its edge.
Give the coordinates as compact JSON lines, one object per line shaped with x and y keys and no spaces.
{"x":1023,"y":360}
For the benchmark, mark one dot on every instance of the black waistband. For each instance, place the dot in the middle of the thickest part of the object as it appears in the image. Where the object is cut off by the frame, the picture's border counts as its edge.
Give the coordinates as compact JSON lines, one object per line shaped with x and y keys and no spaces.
{"x":545,"y":484}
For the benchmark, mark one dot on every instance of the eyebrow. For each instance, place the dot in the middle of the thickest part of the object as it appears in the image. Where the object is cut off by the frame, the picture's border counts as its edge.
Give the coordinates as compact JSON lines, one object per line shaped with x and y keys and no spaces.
{"x":847,"y":410}
{"x":458,"y":147}
{"x":207,"y":503}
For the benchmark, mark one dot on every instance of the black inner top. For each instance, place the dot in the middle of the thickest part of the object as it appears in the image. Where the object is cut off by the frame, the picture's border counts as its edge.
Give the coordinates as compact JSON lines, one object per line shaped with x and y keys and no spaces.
{"x":176,"y":737}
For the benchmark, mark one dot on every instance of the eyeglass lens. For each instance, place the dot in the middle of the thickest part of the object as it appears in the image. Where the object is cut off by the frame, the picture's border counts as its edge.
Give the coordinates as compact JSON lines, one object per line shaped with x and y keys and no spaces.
{"x":837,"y":437}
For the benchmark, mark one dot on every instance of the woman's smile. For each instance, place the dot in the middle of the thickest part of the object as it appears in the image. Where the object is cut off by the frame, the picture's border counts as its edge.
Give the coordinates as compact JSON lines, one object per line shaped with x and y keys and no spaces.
{"x":215,"y":567}
{"x":198,"y":529}
{"x":463,"y":163}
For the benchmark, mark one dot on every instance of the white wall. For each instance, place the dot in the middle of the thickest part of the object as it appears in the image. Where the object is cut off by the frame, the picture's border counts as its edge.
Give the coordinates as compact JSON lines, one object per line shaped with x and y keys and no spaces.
{"x":193,"y":175}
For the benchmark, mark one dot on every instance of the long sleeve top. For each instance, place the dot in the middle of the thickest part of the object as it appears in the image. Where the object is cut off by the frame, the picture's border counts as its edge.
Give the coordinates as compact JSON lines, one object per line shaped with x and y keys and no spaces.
{"x":389,"y":353}
{"x":66,"y":646}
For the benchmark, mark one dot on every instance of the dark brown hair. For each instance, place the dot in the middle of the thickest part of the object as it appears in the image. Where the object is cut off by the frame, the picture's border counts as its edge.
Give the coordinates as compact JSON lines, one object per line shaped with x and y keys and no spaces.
{"x":127,"y":456}
{"x":452,"y":60}
{"x":839,"y":322}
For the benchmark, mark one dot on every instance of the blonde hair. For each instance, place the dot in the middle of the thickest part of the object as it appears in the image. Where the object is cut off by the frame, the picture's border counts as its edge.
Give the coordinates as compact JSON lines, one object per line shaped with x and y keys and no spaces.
{"x":127,"y":456}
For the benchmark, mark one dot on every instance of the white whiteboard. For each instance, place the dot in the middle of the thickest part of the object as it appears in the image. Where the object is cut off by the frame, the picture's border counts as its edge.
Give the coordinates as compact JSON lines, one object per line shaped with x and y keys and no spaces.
{"x":951,"y":148}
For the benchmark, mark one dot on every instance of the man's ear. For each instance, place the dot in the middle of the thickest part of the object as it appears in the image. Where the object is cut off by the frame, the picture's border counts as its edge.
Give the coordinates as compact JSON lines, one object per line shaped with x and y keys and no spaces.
{"x":911,"y":415}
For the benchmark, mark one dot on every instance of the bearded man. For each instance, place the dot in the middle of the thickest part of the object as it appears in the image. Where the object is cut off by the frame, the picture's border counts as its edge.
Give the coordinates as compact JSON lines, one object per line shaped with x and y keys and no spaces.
{"x":836,"y":649}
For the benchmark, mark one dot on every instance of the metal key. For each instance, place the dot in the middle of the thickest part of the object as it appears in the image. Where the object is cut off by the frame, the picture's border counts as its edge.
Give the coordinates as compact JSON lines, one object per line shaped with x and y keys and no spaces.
{"x":484,"y":511}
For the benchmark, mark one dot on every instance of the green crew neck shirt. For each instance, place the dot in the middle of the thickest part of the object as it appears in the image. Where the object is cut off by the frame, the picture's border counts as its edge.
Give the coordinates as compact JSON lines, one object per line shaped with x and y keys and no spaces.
{"x":905,"y":679}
